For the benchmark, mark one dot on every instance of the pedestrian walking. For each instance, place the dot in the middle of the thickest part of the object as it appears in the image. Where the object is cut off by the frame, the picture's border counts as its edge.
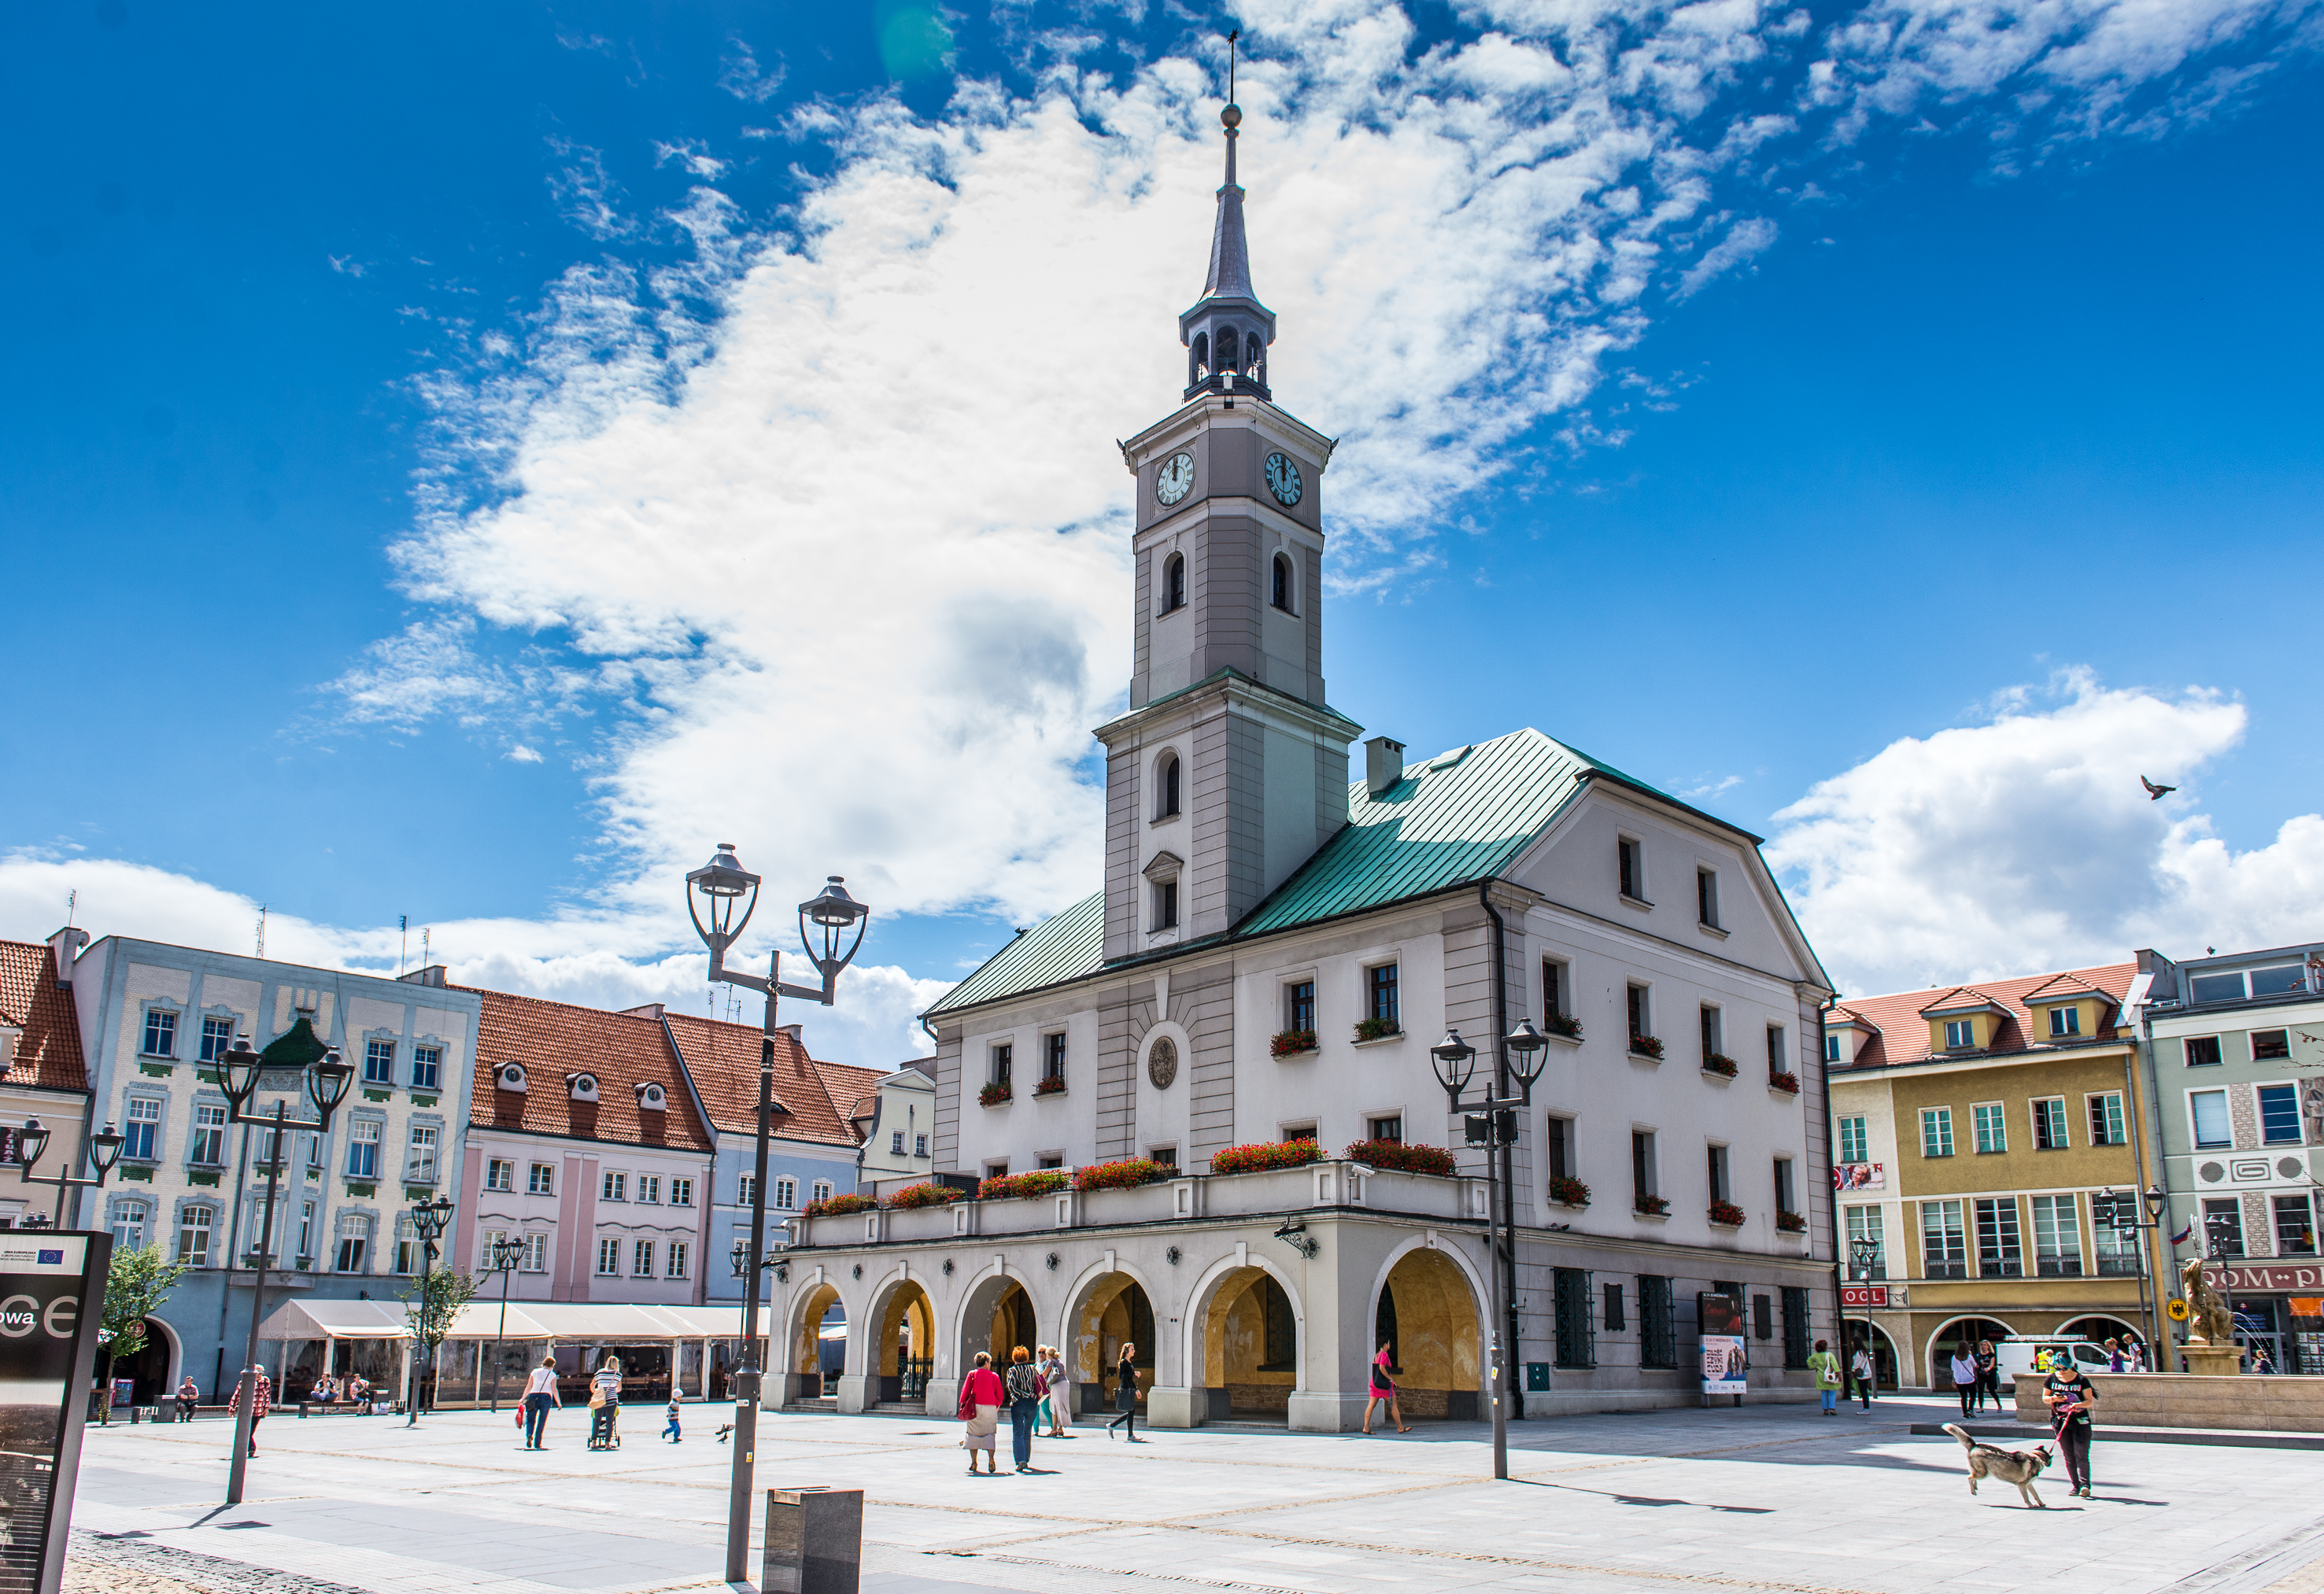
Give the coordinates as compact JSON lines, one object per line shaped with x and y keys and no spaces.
{"x":1383,"y":1388}
{"x":1860,"y":1367}
{"x":670,"y":1430}
{"x":1026,"y":1388}
{"x":2069,"y":1393}
{"x":1125,"y":1394}
{"x":605,"y":1403}
{"x":189,"y":1395}
{"x":1061,"y":1393}
{"x":982,"y":1396}
{"x":1965,"y":1377}
{"x":540,"y":1400}
{"x":259,"y":1406}
{"x":1988,"y":1374}
{"x":1826,"y":1367}
{"x":2115,"y":1361}
{"x":2137,"y":1356}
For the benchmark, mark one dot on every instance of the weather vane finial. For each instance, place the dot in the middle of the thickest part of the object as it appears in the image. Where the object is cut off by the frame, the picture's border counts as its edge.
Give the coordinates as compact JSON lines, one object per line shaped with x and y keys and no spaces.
{"x":1233,"y":115}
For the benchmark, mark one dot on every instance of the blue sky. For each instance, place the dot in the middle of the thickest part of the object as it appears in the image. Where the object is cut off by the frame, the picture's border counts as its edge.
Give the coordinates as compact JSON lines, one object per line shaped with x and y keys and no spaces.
{"x":461,"y":465}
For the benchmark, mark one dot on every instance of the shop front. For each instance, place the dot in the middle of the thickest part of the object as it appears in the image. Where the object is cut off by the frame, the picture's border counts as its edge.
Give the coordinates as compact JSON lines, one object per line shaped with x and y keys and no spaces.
{"x":2279,"y":1310}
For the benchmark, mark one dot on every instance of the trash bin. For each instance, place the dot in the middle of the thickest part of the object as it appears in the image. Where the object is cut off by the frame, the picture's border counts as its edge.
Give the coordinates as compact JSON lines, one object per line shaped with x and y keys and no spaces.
{"x":815,"y":1542}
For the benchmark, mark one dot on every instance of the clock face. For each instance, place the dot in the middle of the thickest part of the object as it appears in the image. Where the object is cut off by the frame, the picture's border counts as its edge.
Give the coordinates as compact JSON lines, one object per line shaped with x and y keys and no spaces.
{"x":1175,"y":479}
{"x":1283,"y":480}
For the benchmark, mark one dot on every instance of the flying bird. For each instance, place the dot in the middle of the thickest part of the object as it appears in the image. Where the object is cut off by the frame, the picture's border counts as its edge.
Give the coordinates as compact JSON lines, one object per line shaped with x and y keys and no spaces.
{"x":2155,"y":794}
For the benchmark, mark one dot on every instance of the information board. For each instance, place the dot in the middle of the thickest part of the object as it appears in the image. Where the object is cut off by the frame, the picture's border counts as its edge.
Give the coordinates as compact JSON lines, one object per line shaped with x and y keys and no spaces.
{"x":52,"y":1299}
{"x":1724,"y":1359}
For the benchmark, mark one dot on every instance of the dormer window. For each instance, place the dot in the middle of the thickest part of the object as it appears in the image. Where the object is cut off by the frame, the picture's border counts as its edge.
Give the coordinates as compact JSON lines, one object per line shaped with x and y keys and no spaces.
{"x":1960,"y":1034}
{"x":1173,"y":584}
{"x":582,"y":1087}
{"x":2066,"y":1020}
{"x":650,"y":1098}
{"x":511,"y":1077}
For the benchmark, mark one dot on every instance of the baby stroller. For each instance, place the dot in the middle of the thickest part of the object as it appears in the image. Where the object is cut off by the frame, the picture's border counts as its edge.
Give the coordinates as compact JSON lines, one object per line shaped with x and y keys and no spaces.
{"x":605,"y":1430}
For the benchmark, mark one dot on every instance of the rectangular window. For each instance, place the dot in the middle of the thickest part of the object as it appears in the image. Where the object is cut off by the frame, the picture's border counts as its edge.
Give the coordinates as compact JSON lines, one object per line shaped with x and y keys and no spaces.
{"x":1299,"y":1006}
{"x":2283,"y":979}
{"x":679,"y":1250}
{"x":2223,"y":1226}
{"x":1294,"y":1133}
{"x":2295,"y":1227}
{"x":2057,"y":1238}
{"x":2210,"y":1109}
{"x":1763,"y":1317}
{"x":407,"y":1245}
{"x":426,"y":1068}
{"x":209,"y":1150}
{"x":500,"y":1174}
{"x":421,"y":1168}
{"x":1783,"y":1193}
{"x":641,"y":1259}
{"x":1577,"y":1344}
{"x":2269,"y":1045}
{"x":2203,"y":1051}
{"x":2279,"y":1115}
{"x":541,"y":1180}
{"x":1959,"y":1033}
{"x":143,"y":1126}
{"x":364,"y":1137}
{"x":1854,"y":1139}
{"x":1657,"y":1322}
{"x":895,"y":1142}
{"x":1713,"y":1039}
{"x":1642,"y":1163}
{"x":194,"y":1236}
{"x":161,"y":1032}
{"x":1553,"y":990}
{"x":379,"y":1063}
{"x":785,"y":1194}
{"x":2066,"y":1020}
{"x":1831,"y":1047}
{"x":1561,"y":1147}
{"x":2000,"y":1251}
{"x":1379,"y":994}
{"x":1166,"y":905}
{"x":2217,"y":988}
{"x":1796,"y":1326}
{"x":1992,"y":1133}
{"x":1706,"y":898}
{"x":821,"y":1190}
{"x":1386,"y":1129}
{"x":1630,"y":866}
{"x":2106,"y":1125}
{"x":1612,"y":1295}
{"x":681,"y":1192}
{"x":1936,"y":1131}
{"x":218,"y":1038}
{"x":2050,"y":1124}
{"x":614,"y":1187}
{"x":1052,"y":1054}
{"x":746,"y":1186}
{"x":2114,"y":1241}
{"x":1864,"y":1225}
{"x":1004,"y":1058}
{"x":920,"y":1145}
{"x":355,"y":1242}
{"x":1778,"y":1054}
{"x":306,"y":1252}
{"x":536,"y":1253}
{"x":1641,"y":1014}
{"x":609,"y":1259}
{"x":1720,"y":1190}
{"x":1943,"y":1254}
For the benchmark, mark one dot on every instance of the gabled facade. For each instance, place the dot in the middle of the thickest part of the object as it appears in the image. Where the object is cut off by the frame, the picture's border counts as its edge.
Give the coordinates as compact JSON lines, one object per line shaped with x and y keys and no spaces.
{"x":41,"y":1076}
{"x":1270,"y":954}
{"x":898,"y":1123}
{"x":1985,"y":1139}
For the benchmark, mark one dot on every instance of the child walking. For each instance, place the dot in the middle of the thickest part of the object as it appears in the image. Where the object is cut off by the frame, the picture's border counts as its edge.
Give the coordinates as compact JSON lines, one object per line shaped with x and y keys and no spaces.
{"x":671,"y":1433}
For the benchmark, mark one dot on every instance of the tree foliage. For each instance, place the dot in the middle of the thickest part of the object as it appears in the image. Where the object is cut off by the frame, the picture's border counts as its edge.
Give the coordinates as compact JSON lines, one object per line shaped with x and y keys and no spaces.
{"x":135,"y":1287}
{"x":432,"y":1300}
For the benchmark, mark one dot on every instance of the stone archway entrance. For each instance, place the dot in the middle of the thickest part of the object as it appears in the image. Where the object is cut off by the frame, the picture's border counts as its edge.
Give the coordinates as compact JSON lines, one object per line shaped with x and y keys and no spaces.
{"x":1427,"y":1315}
{"x":806,"y":1371}
{"x":903,"y":1347}
{"x":1885,"y":1365}
{"x":998,"y":1317}
{"x":1248,"y":1357}
{"x":1112,"y":1310}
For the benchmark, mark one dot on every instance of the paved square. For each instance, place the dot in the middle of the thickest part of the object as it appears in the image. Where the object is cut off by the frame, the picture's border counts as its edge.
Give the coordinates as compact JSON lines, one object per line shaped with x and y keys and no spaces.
{"x":1763,"y":1498}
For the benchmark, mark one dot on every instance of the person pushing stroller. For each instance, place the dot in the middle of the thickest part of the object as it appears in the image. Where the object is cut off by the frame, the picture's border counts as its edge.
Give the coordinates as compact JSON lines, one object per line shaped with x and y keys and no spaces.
{"x":605,"y":1406}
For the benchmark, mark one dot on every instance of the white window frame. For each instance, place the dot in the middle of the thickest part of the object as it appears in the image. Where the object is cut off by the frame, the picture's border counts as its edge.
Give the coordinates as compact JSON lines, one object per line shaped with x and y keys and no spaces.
{"x":680,"y":1256}
{"x":2036,"y":1114}
{"x":2195,"y":1121}
{"x":500,"y":1174}
{"x":681,"y":1192}
{"x":540,"y":1179}
{"x":1862,"y":1136}
{"x":641,"y":1258}
{"x":1960,"y":1035}
{"x":1940,"y":1119}
{"x":614,"y":1186}
{"x":196,"y":1256}
{"x":2117,"y":1121}
{"x":649,"y":1189}
{"x":609,"y":1258}
{"x":1993,"y":1116}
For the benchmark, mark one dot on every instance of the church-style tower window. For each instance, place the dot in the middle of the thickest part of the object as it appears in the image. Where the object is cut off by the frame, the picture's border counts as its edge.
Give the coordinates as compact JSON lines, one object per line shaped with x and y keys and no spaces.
{"x":1281,"y":598}
{"x":1174,"y":583}
{"x":1166,"y":787}
{"x":1227,"y":361}
{"x":1202,"y":361}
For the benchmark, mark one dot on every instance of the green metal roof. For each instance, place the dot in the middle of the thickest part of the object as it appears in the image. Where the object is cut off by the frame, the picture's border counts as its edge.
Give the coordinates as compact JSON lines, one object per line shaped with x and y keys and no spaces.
{"x":295,"y":1048}
{"x":1457,"y":818}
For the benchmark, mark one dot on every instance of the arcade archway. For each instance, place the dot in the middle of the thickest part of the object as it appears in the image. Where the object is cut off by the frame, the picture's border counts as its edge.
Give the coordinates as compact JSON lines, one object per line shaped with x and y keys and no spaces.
{"x":807,"y":1355}
{"x":1886,"y":1363}
{"x":1427,"y":1315}
{"x":997,"y":1318}
{"x":1249,"y":1350}
{"x":902,"y":1353}
{"x":1113,"y":1310}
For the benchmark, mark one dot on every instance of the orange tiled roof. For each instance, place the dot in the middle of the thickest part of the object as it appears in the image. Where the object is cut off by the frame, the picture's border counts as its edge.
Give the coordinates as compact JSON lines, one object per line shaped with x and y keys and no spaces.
{"x":724,"y":1059}
{"x":1900,"y":1035}
{"x":553,"y":1039}
{"x":1961,"y":999}
{"x":49,"y":1054}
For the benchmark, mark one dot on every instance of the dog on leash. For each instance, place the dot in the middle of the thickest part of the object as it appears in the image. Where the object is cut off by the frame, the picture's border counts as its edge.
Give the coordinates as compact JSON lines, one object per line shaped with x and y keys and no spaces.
{"x":2020,"y":1467}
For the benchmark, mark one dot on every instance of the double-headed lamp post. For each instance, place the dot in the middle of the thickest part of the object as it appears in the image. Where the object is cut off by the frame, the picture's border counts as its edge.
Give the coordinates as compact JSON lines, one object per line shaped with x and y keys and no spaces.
{"x":1492,"y":1123}
{"x":1862,"y":1252}
{"x":506,"y":1254}
{"x":328,"y":1078}
{"x":104,"y":1153}
{"x":727,"y":893}
{"x":428,"y":1220}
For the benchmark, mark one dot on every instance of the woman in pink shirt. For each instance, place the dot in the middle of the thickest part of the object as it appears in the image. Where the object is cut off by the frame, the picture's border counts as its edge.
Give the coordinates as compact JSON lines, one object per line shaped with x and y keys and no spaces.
{"x":1383,"y":1388}
{"x":982,"y":1396}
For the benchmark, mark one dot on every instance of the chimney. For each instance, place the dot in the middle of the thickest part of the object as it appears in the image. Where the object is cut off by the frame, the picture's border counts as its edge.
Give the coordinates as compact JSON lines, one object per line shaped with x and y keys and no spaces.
{"x":798,"y":1058}
{"x":67,"y":944}
{"x":1383,"y":764}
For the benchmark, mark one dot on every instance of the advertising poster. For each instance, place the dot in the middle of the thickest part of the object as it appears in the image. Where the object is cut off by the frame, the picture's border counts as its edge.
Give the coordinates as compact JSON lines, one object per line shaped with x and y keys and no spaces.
{"x":1858,"y":1175}
{"x":1724,"y":1362}
{"x":51,"y":1295}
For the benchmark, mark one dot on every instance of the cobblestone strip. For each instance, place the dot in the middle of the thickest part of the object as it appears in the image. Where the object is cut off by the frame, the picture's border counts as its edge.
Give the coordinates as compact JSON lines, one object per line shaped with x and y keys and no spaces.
{"x":105,"y":1563}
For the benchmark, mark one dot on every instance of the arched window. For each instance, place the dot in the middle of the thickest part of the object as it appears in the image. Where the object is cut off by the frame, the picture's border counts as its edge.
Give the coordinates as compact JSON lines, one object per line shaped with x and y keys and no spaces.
{"x":1227,"y":361}
{"x":1282,"y":596}
{"x":1254,"y":354}
{"x":1202,"y":363}
{"x":1174,"y":583}
{"x":1166,"y":787}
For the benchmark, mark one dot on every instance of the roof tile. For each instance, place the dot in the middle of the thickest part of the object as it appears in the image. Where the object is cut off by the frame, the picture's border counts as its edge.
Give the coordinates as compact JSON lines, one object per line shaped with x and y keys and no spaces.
{"x":1900,"y":1035}
{"x":553,"y":1039}
{"x":49,"y":1053}
{"x":724,"y":1059}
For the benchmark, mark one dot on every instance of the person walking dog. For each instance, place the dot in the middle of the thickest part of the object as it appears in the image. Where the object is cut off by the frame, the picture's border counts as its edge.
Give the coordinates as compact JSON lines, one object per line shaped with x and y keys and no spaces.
{"x":980,"y":1399}
{"x":540,"y":1400}
{"x":1125,"y":1394}
{"x":1024,"y":1387}
{"x":2069,"y":1393}
{"x":1825,"y":1365}
{"x":1383,"y":1388}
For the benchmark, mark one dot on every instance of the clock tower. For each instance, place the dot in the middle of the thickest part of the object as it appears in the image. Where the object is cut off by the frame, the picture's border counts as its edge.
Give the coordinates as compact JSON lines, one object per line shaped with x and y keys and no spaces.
{"x":1230,"y":769}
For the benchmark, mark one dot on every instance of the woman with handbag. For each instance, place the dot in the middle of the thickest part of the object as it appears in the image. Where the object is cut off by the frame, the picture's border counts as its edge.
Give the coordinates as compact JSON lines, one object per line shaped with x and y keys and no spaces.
{"x":1383,"y":1388}
{"x":1125,"y":1394}
{"x":980,"y":1400}
{"x":1061,"y":1387}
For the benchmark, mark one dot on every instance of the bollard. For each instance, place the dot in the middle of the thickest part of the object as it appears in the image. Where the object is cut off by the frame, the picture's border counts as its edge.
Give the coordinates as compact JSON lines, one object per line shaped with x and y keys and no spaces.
{"x":815,"y":1542}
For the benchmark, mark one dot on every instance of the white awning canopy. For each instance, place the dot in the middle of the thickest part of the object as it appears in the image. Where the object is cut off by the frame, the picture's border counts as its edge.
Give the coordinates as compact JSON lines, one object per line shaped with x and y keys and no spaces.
{"x":594,"y":1321}
{"x":337,"y":1320}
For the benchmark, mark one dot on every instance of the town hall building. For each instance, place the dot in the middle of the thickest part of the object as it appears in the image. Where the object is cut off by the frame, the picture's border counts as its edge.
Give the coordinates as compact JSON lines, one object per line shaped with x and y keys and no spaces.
{"x":1284,"y":930}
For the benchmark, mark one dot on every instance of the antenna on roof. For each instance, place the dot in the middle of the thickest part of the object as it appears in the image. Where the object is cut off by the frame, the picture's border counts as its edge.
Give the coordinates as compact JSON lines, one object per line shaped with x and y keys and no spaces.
{"x":403,"y":944}
{"x":73,"y":906}
{"x":425,"y":958}
{"x":261,"y":930}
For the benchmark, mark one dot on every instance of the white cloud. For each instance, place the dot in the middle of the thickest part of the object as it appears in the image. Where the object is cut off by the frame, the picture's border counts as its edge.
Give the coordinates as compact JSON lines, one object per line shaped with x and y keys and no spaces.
{"x":740,"y":75}
{"x":2024,"y":842}
{"x":585,"y":193}
{"x":521,"y":755}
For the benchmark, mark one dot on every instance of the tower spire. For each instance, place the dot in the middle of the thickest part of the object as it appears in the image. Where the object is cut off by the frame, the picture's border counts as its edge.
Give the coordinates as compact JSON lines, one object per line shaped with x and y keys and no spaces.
{"x":1228,"y":332}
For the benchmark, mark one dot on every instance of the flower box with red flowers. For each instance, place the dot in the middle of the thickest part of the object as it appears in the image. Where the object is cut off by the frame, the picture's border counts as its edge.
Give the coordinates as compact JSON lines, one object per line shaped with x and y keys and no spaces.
{"x":1567,"y":1190}
{"x":1727,"y":1214}
{"x":838,"y":1206}
{"x":1265,"y":1156}
{"x":1292,"y":1043}
{"x":996,"y":1094}
{"x":1403,"y":1158}
{"x":1789,"y":1083}
{"x":1562,"y":1024}
{"x":1376,"y":1030}
{"x":1722,"y":1064}
{"x":1040,"y":1182}
{"x":1050,"y":1085}
{"x":1647,"y":1046}
{"x":1790,"y":1223}
{"x":1126,"y":1175}
{"x":1650,"y":1206}
{"x":913,"y":1196}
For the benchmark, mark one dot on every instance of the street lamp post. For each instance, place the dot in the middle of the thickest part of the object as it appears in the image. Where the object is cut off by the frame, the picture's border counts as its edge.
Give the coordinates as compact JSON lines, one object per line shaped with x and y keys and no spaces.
{"x":506,"y":1254}
{"x":428,"y":1219}
{"x":1491,"y":1122}
{"x":32,"y":1141}
{"x":328,"y":1078}
{"x":721,"y":889}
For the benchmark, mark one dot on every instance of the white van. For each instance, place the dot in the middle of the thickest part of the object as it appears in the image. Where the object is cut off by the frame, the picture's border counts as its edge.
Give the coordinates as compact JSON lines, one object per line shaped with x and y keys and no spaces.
{"x":2032,"y":1358}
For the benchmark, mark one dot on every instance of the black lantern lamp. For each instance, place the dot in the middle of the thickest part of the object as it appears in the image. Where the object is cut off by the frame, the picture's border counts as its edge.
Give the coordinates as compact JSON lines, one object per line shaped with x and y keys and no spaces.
{"x":723,"y":890}
{"x":104,"y":1149}
{"x":32,"y":1140}
{"x":832,"y":910}
{"x":238,"y":1071}
{"x":1860,"y":1251}
{"x":2154,"y":1200}
{"x":428,"y":1219}
{"x":1528,"y":1049}
{"x":328,"y":1080}
{"x":1455,"y":1061}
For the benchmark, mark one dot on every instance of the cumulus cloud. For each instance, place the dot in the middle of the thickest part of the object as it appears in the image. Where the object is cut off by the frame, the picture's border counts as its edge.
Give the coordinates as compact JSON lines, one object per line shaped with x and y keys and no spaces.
{"x":2025,"y":841}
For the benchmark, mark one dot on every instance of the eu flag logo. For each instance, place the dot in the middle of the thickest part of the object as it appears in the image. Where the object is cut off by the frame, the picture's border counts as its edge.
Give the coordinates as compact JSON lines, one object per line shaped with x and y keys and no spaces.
{"x":51,"y":1258}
